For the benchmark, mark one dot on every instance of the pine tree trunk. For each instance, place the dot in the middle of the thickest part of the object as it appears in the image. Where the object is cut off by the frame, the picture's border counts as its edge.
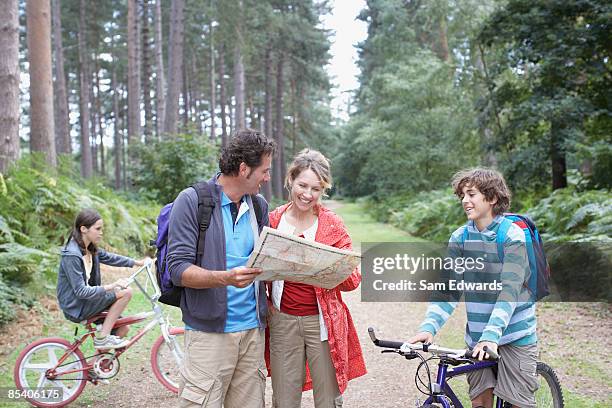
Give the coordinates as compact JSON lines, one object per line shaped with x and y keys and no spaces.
{"x":100,"y":115}
{"x":487,"y":134}
{"x":230,"y":107}
{"x":9,"y":84}
{"x":42,"y":126}
{"x":146,"y":73}
{"x":557,"y":155}
{"x":222,"y":101}
{"x":239,"y":122}
{"x":62,"y":126}
{"x":124,"y":143}
{"x":92,"y":120}
{"x":160,"y":91}
{"x":252,"y":113}
{"x":186,"y":99}
{"x":213,"y":85}
{"x":443,"y":51}
{"x":118,"y":138}
{"x":294,"y":117}
{"x":268,"y":113}
{"x":86,"y":161}
{"x":197,"y":97}
{"x":279,"y":136}
{"x":175,"y":64}
{"x":133,"y":75}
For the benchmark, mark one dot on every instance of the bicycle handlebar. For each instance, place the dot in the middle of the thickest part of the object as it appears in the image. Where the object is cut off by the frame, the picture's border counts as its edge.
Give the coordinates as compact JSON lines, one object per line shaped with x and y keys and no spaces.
{"x":146,"y":267}
{"x":404,"y":347}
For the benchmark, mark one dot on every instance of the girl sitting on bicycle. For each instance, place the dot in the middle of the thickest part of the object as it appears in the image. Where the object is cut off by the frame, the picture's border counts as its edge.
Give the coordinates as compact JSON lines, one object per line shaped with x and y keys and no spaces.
{"x":79,"y":290}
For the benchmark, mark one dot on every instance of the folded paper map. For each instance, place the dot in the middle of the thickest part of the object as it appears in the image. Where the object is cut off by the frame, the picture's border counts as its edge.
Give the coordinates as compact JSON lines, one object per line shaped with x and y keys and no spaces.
{"x":288,"y":257}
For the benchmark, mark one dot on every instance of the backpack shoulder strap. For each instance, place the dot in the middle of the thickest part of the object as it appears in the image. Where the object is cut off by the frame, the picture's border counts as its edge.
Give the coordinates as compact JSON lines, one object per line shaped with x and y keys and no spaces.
{"x":206,"y":204}
{"x":464,"y":237}
{"x":502,"y":233}
{"x":257,"y":208}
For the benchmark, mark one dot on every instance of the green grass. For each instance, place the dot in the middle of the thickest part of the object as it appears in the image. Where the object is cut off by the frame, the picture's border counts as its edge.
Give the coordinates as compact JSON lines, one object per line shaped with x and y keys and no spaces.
{"x":363,"y":228}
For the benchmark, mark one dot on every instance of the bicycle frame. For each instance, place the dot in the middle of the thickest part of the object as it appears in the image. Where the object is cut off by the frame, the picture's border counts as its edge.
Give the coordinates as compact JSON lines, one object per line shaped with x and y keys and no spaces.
{"x":157,"y":319}
{"x":443,"y":391}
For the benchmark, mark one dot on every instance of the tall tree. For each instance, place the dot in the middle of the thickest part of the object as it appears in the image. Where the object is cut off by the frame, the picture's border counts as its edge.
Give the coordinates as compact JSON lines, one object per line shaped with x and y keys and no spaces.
{"x":42,"y":129}
{"x":222,"y":96}
{"x":99,"y":117}
{"x":239,"y":85}
{"x":9,"y":83}
{"x":160,"y":86}
{"x":213,"y":82}
{"x":552,"y":79}
{"x":175,"y":66}
{"x":268,"y":110}
{"x":86,"y":159}
{"x":279,"y":135}
{"x":133,"y":74}
{"x":62,"y":126}
{"x":93,"y":112}
{"x":146,"y":72}
{"x":118,"y":137}
{"x":186,"y":94}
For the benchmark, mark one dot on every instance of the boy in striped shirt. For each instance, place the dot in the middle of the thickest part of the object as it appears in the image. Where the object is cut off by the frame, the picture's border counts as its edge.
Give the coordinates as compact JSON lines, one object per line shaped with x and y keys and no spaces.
{"x":502,"y":321}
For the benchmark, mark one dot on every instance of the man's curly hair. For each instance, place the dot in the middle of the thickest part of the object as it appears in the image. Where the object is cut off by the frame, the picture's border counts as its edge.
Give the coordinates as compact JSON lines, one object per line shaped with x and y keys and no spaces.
{"x":246,"y":146}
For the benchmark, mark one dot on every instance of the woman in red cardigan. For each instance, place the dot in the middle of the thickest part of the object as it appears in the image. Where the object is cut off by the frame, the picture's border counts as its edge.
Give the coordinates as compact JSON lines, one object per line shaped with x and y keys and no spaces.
{"x":308,"y":323}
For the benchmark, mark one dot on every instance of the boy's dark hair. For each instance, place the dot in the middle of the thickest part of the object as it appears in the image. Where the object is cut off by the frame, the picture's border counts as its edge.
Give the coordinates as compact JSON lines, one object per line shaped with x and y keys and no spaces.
{"x":86,"y":218}
{"x":248,"y":146}
{"x":489,"y":182}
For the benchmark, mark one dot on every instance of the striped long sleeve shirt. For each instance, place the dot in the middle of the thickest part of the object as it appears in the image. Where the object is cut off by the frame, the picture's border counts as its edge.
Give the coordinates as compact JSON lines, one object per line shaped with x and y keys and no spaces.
{"x":504,"y":317}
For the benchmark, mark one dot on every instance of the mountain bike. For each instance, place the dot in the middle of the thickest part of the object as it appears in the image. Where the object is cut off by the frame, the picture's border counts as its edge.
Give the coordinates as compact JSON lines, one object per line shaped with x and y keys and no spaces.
{"x":52,"y":372}
{"x":455,"y":362}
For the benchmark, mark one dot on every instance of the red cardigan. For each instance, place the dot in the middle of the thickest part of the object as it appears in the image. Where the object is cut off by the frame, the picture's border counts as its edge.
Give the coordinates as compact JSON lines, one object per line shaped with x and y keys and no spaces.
{"x":344,"y":344}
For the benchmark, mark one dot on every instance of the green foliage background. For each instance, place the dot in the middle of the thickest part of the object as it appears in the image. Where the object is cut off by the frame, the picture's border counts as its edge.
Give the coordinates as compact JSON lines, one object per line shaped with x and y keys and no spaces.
{"x":518,"y":85}
{"x":167,"y":166}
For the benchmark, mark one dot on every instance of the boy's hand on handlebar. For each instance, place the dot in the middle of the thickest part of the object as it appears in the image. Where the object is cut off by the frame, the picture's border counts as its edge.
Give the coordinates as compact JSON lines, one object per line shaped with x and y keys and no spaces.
{"x":421,"y":337}
{"x":479,"y":351}
{"x":242,"y":276}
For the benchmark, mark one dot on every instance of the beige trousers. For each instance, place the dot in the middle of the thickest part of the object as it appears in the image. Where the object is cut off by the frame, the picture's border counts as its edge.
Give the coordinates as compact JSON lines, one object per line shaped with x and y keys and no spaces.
{"x":293,"y":340}
{"x":223,"y":369}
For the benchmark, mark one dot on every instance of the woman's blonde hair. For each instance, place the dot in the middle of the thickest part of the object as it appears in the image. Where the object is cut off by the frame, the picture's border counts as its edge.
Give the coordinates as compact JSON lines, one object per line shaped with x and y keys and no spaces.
{"x":313,"y":160}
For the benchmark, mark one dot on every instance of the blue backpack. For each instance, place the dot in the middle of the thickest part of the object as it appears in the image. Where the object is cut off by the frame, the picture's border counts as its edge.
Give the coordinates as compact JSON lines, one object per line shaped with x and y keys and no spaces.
{"x":540,"y":270}
{"x":170,"y":294}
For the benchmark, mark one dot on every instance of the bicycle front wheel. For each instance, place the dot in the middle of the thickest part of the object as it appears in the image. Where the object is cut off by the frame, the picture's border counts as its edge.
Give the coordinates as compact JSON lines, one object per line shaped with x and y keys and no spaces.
{"x":549,"y":395}
{"x":32,"y":369}
{"x":166,"y":358}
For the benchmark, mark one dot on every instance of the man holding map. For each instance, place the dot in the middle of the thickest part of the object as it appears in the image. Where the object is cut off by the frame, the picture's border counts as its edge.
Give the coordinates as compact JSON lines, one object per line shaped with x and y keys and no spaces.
{"x":223,"y":309}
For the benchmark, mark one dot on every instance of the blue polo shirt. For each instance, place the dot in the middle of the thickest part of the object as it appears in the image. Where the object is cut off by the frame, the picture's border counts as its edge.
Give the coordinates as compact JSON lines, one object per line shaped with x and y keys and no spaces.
{"x":239,"y":243}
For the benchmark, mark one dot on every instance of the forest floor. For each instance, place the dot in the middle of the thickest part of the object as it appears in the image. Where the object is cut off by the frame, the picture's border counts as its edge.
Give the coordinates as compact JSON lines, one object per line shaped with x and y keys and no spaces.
{"x":573,"y":338}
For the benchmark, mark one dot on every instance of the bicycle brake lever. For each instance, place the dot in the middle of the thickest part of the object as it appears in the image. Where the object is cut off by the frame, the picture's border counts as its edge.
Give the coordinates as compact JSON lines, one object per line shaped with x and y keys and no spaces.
{"x":412,"y":355}
{"x":390,"y":351}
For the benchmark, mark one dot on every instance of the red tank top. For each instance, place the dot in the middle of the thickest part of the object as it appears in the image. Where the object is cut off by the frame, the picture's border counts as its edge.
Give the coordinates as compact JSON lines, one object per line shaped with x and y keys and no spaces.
{"x":299,"y":299}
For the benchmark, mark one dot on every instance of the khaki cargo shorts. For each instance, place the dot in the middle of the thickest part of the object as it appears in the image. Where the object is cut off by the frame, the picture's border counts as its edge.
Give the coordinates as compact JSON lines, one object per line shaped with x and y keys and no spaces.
{"x":516,"y":380}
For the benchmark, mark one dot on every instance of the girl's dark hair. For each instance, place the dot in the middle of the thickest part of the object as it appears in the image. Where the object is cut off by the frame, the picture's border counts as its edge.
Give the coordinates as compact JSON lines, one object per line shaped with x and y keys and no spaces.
{"x":246,"y":146}
{"x":86,"y":218}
